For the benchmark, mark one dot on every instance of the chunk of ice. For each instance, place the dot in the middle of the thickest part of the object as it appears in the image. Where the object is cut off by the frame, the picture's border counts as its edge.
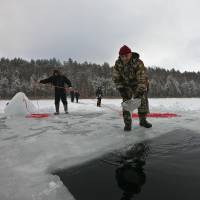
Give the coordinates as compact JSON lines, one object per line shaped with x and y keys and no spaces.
{"x":19,"y":105}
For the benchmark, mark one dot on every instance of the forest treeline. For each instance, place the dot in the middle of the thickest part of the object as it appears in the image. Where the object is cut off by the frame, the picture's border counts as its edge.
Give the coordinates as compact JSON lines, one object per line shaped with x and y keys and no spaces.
{"x":20,"y":75}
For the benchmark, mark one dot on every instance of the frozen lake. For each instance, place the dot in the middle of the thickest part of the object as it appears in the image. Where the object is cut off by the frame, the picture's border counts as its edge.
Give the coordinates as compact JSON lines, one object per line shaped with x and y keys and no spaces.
{"x":165,"y":167}
{"x":31,"y":149}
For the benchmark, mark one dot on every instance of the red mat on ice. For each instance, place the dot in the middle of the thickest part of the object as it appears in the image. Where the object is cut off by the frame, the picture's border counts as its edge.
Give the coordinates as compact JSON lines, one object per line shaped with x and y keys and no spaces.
{"x":157,"y":115}
{"x":39,"y":115}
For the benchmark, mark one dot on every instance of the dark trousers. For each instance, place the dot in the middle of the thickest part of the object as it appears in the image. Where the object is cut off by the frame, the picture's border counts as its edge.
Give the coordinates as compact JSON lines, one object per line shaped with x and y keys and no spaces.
{"x":60,"y":96}
{"x":98,"y":102}
{"x":72,"y":99}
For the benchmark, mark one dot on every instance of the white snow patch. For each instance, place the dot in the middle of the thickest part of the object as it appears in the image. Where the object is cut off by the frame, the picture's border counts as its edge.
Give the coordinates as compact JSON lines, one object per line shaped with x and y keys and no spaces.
{"x":19,"y":105}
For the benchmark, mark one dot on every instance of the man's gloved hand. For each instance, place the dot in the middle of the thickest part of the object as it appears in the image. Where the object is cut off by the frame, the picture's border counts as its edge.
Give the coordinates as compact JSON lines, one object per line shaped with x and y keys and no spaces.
{"x":121,"y":90}
{"x":125,"y":92}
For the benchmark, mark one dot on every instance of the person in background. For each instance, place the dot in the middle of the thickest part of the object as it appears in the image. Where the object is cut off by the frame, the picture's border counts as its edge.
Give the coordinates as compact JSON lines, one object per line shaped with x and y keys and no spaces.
{"x":99,"y":95}
{"x":77,"y":95}
{"x":58,"y":81}
{"x":72,"y":96}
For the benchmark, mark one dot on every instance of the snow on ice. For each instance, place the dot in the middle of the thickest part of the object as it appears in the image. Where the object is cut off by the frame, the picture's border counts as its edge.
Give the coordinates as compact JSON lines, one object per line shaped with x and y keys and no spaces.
{"x":32,"y":148}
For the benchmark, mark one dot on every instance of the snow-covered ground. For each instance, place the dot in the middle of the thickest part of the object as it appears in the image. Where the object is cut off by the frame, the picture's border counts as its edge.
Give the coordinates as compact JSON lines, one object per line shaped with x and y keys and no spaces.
{"x":32,"y":148}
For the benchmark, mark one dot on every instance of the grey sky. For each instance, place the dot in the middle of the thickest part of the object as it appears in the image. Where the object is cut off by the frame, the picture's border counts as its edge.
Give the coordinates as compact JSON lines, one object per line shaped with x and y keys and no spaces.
{"x":166,"y":33}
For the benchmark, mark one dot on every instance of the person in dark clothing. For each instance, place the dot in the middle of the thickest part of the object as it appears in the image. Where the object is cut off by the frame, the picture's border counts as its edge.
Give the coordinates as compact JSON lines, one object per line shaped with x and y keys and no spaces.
{"x":58,"y":81}
{"x":99,"y":95}
{"x":72,"y":95}
{"x":77,"y":95}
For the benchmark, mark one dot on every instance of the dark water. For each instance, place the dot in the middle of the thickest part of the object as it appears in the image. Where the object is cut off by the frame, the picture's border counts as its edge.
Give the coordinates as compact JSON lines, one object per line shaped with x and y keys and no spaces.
{"x":165,"y":168}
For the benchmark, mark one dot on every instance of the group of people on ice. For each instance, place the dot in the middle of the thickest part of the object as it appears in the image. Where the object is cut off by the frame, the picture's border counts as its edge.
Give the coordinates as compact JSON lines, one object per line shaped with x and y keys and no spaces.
{"x":58,"y":81}
{"x":74,"y":94}
{"x":130,"y":78}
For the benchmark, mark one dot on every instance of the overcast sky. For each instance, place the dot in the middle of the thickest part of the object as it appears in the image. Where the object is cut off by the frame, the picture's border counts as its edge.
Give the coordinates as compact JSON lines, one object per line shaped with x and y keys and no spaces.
{"x":165,"y":33}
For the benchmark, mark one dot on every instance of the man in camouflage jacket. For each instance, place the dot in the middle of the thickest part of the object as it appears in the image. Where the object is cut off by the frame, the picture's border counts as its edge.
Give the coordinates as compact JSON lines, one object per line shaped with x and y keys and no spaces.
{"x":131,"y":80}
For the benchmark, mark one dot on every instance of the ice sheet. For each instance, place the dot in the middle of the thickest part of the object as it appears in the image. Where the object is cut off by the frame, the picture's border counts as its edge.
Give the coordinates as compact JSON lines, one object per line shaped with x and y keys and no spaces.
{"x":32,"y":148}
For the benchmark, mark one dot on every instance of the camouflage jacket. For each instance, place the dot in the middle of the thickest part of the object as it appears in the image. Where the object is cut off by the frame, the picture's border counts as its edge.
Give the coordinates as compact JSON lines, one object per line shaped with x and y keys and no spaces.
{"x":133,"y":74}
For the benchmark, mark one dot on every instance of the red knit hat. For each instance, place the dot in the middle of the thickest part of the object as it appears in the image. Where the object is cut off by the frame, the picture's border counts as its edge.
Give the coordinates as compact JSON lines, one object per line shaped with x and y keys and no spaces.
{"x":124,"y":50}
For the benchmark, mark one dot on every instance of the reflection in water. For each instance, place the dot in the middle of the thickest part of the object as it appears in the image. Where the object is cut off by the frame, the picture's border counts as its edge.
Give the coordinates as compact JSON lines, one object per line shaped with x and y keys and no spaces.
{"x":124,"y":166}
{"x":121,"y":175}
{"x":130,"y":174}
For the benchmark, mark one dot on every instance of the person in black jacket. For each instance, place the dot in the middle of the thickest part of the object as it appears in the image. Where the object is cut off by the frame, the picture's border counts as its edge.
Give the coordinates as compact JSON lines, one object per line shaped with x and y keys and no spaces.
{"x":72,"y":96}
{"x":58,"y":81}
{"x":99,"y":95}
{"x":77,"y":95}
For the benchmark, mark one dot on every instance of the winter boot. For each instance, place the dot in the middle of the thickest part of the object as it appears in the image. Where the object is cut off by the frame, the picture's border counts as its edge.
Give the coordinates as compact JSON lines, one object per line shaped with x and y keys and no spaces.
{"x":127,"y":127}
{"x":57,"y":109}
{"x":144,"y":122}
{"x":127,"y":120}
{"x":66,"y":108}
